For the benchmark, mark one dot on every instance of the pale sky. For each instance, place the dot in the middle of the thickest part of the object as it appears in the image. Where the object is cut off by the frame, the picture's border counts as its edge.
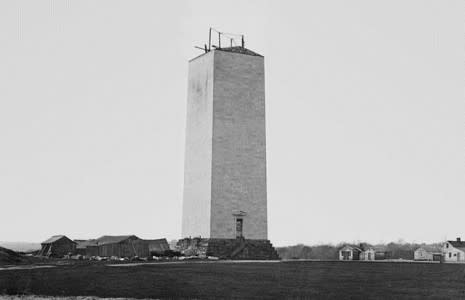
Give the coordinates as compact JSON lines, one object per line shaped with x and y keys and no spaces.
{"x":365,"y":116}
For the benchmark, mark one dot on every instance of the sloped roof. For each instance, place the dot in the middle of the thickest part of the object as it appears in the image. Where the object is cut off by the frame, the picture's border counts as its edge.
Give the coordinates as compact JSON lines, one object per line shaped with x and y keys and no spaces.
{"x":351,"y":247}
{"x":457,"y":244}
{"x":158,"y":245}
{"x":113,"y":239}
{"x":380,"y":248}
{"x":55,"y":238}
{"x":430,"y":248}
{"x":361,"y":247}
{"x":82,"y":244}
{"x":238,"y":49}
{"x":366,"y":246}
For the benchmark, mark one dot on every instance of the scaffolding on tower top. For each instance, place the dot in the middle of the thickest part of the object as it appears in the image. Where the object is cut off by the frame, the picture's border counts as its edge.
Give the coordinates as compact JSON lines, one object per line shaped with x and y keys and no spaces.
{"x":235,"y":42}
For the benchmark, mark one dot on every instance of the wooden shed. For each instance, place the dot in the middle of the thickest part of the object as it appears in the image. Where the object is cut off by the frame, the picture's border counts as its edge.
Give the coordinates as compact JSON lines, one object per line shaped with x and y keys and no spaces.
{"x":158,"y":246}
{"x":122,"y":246}
{"x":84,"y":247}
{"x":57,"y":246}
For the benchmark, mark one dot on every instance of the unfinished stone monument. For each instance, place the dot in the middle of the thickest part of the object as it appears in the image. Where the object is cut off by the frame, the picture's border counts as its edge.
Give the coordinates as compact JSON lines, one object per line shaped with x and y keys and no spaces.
{"x":225,"y":197}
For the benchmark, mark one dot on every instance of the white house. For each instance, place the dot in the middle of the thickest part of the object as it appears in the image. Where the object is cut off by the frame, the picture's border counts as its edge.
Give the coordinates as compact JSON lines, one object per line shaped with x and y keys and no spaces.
{"x":427,"y":253}
{"x":368,"y":254}
{"x":349,"y":252}
{"x":454,"y":251}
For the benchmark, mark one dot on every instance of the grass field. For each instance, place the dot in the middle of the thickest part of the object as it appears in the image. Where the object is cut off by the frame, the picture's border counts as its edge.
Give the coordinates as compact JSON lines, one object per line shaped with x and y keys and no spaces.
{"x":348,"y":280}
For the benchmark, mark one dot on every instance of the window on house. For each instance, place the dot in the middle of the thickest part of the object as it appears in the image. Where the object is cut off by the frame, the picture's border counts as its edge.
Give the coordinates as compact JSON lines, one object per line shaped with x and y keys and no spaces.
{"x":447,"y":245}
{"x":455,"y":254}
{"x":450,"y":254}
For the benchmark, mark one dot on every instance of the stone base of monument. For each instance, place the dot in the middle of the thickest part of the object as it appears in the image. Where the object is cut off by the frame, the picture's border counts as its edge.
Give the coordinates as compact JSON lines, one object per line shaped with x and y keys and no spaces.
{"x":239,"y":248}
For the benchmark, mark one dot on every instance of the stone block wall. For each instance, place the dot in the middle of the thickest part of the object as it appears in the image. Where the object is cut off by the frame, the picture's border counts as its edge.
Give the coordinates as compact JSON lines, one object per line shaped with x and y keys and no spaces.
{"x":225,"y":159}
{"x":228,"y":248}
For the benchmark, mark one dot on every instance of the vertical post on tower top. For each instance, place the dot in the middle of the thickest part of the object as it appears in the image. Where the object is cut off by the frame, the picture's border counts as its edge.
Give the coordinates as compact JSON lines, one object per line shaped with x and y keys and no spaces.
{"x":210,"y":39}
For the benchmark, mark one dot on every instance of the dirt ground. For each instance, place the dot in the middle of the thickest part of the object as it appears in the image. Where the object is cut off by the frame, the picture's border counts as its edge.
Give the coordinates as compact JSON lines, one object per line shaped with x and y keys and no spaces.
{"x":301,"y":279}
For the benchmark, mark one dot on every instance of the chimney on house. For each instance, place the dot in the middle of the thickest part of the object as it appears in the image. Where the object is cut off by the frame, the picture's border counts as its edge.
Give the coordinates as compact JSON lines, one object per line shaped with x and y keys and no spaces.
{"x":458,"y":239}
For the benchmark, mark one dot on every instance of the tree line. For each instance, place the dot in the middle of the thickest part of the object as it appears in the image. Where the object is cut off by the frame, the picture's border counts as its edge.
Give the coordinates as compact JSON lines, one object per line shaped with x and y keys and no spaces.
{"x":393,"y":250}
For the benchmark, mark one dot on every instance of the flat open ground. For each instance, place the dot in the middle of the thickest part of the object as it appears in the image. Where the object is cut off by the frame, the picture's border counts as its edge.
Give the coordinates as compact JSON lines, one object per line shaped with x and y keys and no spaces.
{"x":300,"y":279}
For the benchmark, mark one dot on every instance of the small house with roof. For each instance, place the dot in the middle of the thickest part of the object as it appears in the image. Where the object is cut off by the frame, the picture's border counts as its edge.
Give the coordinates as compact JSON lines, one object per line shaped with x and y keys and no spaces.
{"x":368,"y":253}
{"x":349,"y":252}
{"x":428,"y":253}
{"x":57,"y":246}
{"x":122,"y":246}
{"x":362,"y":251}
{"x":454,"y":251}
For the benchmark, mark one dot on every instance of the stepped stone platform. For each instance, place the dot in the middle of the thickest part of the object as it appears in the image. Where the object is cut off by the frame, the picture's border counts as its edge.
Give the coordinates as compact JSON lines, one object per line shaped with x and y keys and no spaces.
{"x":239,"y":248}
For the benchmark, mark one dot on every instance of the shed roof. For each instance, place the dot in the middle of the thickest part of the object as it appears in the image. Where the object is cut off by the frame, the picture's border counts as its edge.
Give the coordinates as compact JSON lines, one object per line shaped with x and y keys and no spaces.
{"x":114,"y":239}
{"x":55,"y":238}
{"x":82,"y":244}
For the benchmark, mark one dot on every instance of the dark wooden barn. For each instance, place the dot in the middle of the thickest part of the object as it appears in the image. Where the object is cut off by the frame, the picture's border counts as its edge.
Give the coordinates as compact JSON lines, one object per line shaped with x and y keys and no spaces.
{"x":57,"y":246}
{"x":122,"y":246}
{"x":158,"y":246}
{"x":84,"y":247}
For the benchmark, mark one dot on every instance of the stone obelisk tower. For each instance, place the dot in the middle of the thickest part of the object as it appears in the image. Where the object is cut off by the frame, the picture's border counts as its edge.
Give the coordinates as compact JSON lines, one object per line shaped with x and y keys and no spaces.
{"x":225,"y":197}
